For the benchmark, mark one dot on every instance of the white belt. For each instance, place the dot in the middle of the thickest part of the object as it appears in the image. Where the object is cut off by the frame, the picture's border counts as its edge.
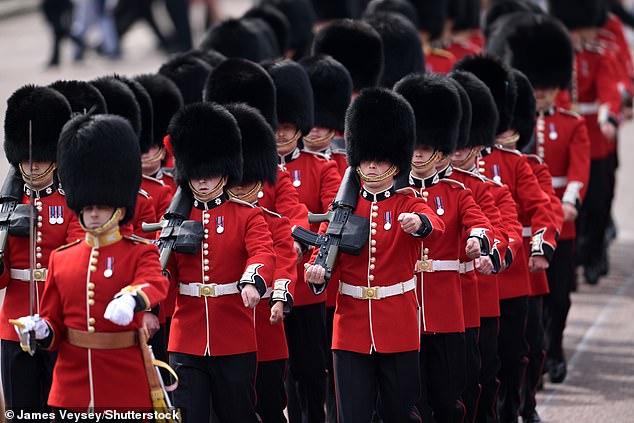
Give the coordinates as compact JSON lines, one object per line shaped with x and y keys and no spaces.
{"x":560,"y":181}
{"x":467,"y":267}
{"x":208,"y":289}
{"x":587,"y":108}
{"x":527,"y":231}
{"x":376,"y":292}
{"x":39,"y":275}
{"x":437,"y":266}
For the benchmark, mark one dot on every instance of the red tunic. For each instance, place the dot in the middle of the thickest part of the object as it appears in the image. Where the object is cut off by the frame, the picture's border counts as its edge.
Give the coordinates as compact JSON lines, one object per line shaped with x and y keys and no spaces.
{"x":143,"y":213}
{"x":160,"y":193}
{"x":272,"y":338}
{"x":440,"y":292}
{"x":511,"y":168}
{"x":64,"y":228}
{"x":391,"y":324}
{"x":76,"y":297}
{"x":563,"y":143}
{"x":166,"y":175}
{"x":463,"y":48}
{"x":316,"y":180}
{"x":282,"y":198}
{"x":438,"y":61}
{"x":216,"y":326}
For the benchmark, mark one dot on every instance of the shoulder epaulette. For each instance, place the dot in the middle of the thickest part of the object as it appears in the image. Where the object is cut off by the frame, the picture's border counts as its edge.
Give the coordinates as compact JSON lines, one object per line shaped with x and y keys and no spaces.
{"x":409,"y":192}
{"x":70,"y":244}
{"x":453,"y":183}
{"x":242,"y":203}
{"x":136,"y":238}
{"x":568,"y":112}
{"x":472,"y":174}
{"x":272,"y":213}
{"x":158,"y":181}
{"x":508,"y":150}
{"x":442,"y":53}
{"x":535,"y":157}
{"x":168,"y":171}
{"x":594,"y":48}
{"x":317,"y":154}
{"x":144,"y":193}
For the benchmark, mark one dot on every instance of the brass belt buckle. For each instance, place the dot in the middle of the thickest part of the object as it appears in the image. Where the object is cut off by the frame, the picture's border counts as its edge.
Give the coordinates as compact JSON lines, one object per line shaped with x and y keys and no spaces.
{"x":207,"y":290}
{"x":369,"y":293}
{"x":38,"y":275}
{"x":425,"y":266}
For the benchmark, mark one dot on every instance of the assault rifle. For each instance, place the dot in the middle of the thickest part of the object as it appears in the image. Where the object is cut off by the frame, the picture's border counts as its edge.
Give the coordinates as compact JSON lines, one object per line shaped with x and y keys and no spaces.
{"x":346,"y":231}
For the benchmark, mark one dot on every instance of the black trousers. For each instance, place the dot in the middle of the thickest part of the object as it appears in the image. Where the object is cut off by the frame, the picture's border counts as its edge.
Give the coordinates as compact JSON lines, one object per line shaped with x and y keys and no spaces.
{"x":223,"y":385}
{"x":536,"y":353}
{"x":594,"y":215}
{"x":271,"y":394}
{"x":26,"y":380}
{"x":331,"y":402}
{"x":512,"y":349}
{"x":442,"y":371}
{"x":488,"y":343}
{"x":178,"y":11}
{"x":362,"y":378}
{"x":306,"y":382}
{"x":472,"y":390}
{"x":561,"y":281}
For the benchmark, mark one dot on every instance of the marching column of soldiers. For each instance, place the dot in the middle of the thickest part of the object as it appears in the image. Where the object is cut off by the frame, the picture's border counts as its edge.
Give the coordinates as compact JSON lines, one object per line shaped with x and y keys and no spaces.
{"x":337,"y":211}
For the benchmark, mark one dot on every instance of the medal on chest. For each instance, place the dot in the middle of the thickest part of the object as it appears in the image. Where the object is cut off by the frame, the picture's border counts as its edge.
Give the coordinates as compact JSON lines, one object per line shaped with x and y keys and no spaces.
{"x":297,"y":182}
{"x":552,"y":131}
{"x":55,"y":215}
{"x":387,"y":217}
{"x":440,"y":210}
{"x":496,"y":174}
{"x":220,"y":224}
{"x":109,"y":267}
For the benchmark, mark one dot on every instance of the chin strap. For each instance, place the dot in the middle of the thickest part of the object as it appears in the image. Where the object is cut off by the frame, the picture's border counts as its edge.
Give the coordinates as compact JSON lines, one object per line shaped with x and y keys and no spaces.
{"x":388,"y":173}
{"x":34,"y":179}
{"x":214,"y":192}
{"x":245,"y":197}
{"x":318,"y":143}
{"x":471,"y":156}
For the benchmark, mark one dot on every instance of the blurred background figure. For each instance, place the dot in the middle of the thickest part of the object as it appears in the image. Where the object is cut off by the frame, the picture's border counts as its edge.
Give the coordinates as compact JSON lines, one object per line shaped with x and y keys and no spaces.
{"x":89,"y":13}
{"x":58,"y":14}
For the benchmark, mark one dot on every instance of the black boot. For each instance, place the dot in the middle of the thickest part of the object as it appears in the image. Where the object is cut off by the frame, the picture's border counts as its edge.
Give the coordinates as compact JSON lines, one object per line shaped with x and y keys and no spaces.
{"x":557,"y":370}
{"x":532,"y":417}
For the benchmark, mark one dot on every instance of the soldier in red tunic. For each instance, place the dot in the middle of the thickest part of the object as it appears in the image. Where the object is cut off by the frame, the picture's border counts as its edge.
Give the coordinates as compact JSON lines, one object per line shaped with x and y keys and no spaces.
{"x":316,"y":180}
{"x":438,"y":109}
{"x":432,"y":16}
{"x":212,"y":341}
{"x":26,"y":380}
{"x":97,"y":288}
{"x":260,"y":165}
{"x":376,"y":328}
{"x":465,"y":37}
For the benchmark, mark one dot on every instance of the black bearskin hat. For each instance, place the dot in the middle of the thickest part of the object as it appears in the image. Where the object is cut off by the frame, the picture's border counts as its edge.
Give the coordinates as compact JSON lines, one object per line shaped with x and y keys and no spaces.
{"x":120,"y":100}
{"x":166,"y":100}
{"x":432,"y":15}
{"x":212,"y":57}
{"x":402,"y":48}
{"x":82,"y":96}
{"x":276,"y":20}
{"x":484,"y":113}
{"x":467,"y":114}
{"x":259,"y":150}
{"x":99,"y":163}
{"x":47,"y":110}
{"x":147,"y":111}
{"x":206,"y":142}
{"x":436,"y":104}
{"x":294,"y":94}
{"x":577,"y":14}
{"x":240,"y":38}
{"x":466,"y":16}
{"x":540,"y":47}
{"x":380,"y":125}
{"x":332,"y":90}
{"x":402,"y":7}
{"x":301,"y":17}
{"x":502,"y":8}
{"x":189,"y":74}
{"x":525,"y":110}
{"x":497,"y":76}
{"x":357,"y":46}
{"x":242,"y":81}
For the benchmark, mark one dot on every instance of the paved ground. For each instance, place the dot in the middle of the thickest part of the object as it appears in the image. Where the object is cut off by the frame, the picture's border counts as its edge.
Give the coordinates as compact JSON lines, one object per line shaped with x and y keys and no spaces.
{"x":600,"y":335}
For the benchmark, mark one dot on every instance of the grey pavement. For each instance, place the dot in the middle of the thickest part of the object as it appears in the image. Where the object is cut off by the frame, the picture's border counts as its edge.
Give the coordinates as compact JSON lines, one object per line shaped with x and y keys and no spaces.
{"x":599,"y":339}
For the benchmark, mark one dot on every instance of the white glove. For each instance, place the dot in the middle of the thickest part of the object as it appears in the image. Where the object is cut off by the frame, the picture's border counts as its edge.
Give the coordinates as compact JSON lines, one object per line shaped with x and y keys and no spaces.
{"x":120,"y":311}
{"x":26,"y":324}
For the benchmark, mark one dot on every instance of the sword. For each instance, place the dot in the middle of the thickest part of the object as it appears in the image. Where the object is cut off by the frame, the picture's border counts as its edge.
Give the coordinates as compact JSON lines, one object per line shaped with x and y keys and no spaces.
{"x":32,"y":345}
